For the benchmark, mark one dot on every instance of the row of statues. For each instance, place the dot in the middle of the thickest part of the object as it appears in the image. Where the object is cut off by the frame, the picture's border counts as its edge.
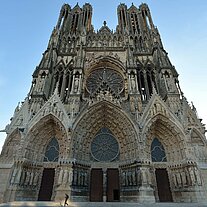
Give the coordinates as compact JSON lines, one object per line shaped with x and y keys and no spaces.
{"x":65,"y":177}
{"x":104,"y":42}
{"x":133,"y":176}
{"x":188,"y":177}
{"x":25,"y":176}
{"x":80,"y":177}
{"x":136,"y":176}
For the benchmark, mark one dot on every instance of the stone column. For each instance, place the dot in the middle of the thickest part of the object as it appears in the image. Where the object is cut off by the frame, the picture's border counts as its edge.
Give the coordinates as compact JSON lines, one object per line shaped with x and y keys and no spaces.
{"x":104,"y":184}
{"x":146,"y":192}
{"x":63,"y":86}
{"x":65,"y":178}
{"x":79,"y":86}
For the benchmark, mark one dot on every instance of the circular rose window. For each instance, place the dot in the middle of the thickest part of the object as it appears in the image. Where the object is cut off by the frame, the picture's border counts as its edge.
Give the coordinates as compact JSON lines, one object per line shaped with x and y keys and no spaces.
{"x":104,"y":146}
{"x":105,"y":78}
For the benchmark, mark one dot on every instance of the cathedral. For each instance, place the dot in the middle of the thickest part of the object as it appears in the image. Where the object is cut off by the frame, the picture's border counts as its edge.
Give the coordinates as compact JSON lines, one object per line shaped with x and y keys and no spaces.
{"x":105,"y":119}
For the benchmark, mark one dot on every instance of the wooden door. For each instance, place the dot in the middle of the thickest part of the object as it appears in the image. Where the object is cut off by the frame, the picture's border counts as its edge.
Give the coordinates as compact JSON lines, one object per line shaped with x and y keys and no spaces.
{"x":163,"y":185}
{"x":113,"y":191}
{"x":96,"y":187}
{"x":46,"y":187}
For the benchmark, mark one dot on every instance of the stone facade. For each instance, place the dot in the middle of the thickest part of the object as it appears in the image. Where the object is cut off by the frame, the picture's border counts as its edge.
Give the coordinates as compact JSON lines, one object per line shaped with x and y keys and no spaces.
{"x":105,"y":107}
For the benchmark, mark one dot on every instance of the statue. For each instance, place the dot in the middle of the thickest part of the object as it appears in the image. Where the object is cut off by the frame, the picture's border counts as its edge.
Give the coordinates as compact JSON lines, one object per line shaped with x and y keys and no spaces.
{"x":197,"y":175}
{"x":76,"y":83}
{"x":133,"y":82}
{"x":132,"y":104}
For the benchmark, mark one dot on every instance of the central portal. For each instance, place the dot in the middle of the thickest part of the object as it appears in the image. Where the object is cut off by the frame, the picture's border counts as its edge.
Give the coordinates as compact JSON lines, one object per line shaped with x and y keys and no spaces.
{"x":104,"y":184}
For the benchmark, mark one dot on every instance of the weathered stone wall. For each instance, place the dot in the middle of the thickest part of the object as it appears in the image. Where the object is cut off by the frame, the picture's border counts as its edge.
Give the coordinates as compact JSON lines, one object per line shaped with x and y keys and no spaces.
{"x":204,"y":180}
{"x":4,"y":179}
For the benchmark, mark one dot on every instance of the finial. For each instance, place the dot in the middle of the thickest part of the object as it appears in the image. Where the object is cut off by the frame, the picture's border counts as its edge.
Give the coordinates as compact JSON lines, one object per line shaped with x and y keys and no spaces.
{"x":104,"y":23}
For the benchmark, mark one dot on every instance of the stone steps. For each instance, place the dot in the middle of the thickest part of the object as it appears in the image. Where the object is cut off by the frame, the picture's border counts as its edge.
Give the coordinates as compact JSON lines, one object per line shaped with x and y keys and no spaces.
{"x":97,"y":204}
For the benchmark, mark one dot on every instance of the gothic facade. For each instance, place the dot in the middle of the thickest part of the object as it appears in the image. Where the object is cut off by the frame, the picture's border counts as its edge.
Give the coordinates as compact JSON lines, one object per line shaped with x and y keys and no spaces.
{"x":105,"y":119}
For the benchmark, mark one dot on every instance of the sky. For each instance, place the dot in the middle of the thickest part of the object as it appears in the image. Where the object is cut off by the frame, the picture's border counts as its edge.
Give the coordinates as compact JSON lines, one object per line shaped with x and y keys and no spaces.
{"x":27,"y":25}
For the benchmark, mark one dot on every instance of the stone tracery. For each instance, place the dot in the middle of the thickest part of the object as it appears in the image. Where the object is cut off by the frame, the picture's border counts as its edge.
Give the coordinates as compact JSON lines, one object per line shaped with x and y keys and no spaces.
{"x":41,"y":133}
{"x":105,"y":115}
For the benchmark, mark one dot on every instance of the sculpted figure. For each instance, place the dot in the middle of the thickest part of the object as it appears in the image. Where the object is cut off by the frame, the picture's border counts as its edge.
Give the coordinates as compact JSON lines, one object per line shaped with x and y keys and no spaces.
{"x":13,"y":175}
{"x":197,"y":175}
{"x":36,"y":178}
{"x":175,"y":181}
{"x":76,"y":83}
{"x":179,"y":179}
{"x":133,"y":82}
{"x":60,"y":178}
{"x":70,"y":178}
{"x":183,"y":176}
{"x":192,"y":176}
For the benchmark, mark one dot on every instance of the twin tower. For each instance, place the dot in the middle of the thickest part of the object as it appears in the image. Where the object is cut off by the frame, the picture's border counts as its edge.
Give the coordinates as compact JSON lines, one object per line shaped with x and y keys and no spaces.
{"x":105,"y":119}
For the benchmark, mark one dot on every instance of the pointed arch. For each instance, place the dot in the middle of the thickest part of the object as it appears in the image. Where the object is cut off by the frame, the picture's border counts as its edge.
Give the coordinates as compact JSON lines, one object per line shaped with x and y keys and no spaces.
{"x":10,"y":147}
{"x":199,"y":144}
{"x":110,"y":61}
{"x":197,"y":137}
{"x":40,"y":135}
{"x":104,"y":114}
{"x":169,"y":135}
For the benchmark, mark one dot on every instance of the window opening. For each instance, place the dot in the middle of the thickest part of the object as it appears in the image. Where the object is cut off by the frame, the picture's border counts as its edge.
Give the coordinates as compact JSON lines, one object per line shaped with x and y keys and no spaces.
{"x":60,"y":83}
{"x":66,"y":88}
{"x":52,"y":151}
{"x":158,"y":151}
{"x":149,"y":83}
{"x":143,"y":89}
{"x":124,"y":19}
{"x":104,"y":146}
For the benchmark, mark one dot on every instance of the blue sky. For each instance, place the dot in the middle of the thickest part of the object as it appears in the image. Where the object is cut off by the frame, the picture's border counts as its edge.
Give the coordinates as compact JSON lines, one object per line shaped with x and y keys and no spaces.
{"x":26,"y":27}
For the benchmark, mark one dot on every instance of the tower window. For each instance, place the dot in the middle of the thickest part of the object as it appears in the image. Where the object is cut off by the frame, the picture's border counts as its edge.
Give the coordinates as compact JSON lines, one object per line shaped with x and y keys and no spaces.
{"x":149,"y":83}
{"x":143,"y":88}
{"x":60,"y":83}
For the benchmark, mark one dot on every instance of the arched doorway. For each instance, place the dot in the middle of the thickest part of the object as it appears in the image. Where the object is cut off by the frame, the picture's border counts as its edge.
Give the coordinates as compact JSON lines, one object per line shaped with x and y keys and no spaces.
{"x":47,"y":182}
{"x":163,"y":186}
{"x":104,"y":115}
{"x":165,"y":146}
{"x":45,"y":146}
{"x":103,"y":138}
{"x":104,"y":148}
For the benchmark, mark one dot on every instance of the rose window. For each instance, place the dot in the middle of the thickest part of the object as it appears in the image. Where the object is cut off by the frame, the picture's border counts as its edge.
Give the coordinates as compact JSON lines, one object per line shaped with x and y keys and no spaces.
{"x":104,"y":146}
{"x":104,"y":79}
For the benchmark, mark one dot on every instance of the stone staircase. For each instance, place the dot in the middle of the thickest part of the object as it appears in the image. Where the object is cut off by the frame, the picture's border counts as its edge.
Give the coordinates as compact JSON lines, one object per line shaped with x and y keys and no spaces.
{"x":98,"y":204}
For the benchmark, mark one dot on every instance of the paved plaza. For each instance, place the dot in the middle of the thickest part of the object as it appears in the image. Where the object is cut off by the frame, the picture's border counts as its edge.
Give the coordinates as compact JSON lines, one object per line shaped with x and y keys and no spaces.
{"x":100,"y":204}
